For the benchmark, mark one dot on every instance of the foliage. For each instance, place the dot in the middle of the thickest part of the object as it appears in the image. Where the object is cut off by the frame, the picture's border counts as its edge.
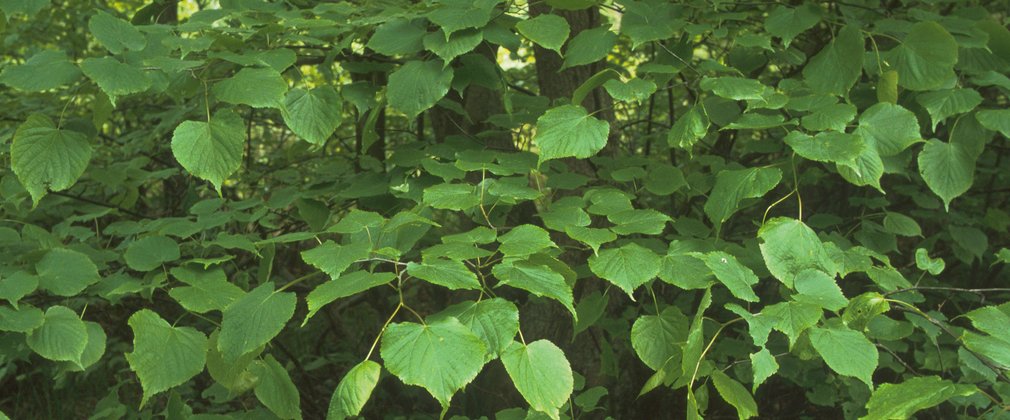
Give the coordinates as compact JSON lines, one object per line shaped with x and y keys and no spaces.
{"x":561,"y":208}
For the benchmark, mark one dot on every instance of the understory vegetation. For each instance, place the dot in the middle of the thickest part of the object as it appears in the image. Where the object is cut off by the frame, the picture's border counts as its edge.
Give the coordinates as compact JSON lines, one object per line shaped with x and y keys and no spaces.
{"x":565,"y":209}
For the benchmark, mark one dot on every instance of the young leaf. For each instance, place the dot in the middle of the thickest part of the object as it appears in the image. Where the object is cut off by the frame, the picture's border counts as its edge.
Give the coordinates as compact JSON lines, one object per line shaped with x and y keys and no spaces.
{"x":442,"y":356}
{"x":164,"y":356}
{"x":211,"y":150}
{"x":569,"y":131}
{"x":46,"y":157}
{"x":541,"y":373}
{"x":354,"y":390}
{"x":254,"y":320}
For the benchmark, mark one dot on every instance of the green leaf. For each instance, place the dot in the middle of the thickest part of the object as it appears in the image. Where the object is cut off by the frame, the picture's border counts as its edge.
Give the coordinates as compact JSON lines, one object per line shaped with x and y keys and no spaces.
{"x":454,"y":15}
{"x":334,"y":259}
{"x":733,"y":186}
{"x":569,"y":131}
{"x":443,"y":272}
{"x":589,"y":46}
{"x":275,"y":389}
{"x":211,"y":150}
{"x":17,"y":285}
{"x":735,"y":394}
{"x":828,"y":146}
{"x":442,"y":356}
{"x":831,"y":117}
{"x":207,"y":290}
{"x":737,"y":277}
{"x":354,"y":390}
{"x":24,"y":320}
{"x":887,"y":87}
{"x":689,"y":128}
{"x":889,"y":128}
{"x":787,"y":22}
{"x":634,"y":90}
{"x":254,"y":320}
{"x":537,"y":279}
{"x":990,"y":320}
{"x":451,"y":196}
{"x":344,"y":286}
{"x":866,"y":170}
{"x":790,"y":318}
{"x":657,"y":338}
{"x":903,"y":400}
{"x":735,"y":88}
{"x":95,"y":348}
{"x":926,"y":57}
{"x":818,"y":288}
{"x":847,"y":352}
{"x":256,"y":87}
{"x":790,"y":247}
{"x":899,"y":224}
{"x":495,"y":321}
{"x":43,"y":71}
{"x":644,"y":221}
{"x":313,"y":114}
{"x":457,"y":44}
{"x":947,"y":102}
{"x":524,"y":240}
{"x":65,"y":272}
{"x":398,"y":37}
{"x":947,"y":168}
{"x":627,"y":267}
{"x":995,"y":120}
{"x":114,"y":77}
{"x":547,"y":30}
{"x":837,"y":67}
{"x":232,"y":374}
{"x":61,"y":337}
{"x":923,"y":262}
{"x":164,"y":356}
{"x":115,"y":34}
{"x":150,"y":252}
{"x":764,"y":366}
{"x":417,"y":86}
{"x":591,"y":236}
{"x":541,"y":373}
{"x":46,"y":157}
